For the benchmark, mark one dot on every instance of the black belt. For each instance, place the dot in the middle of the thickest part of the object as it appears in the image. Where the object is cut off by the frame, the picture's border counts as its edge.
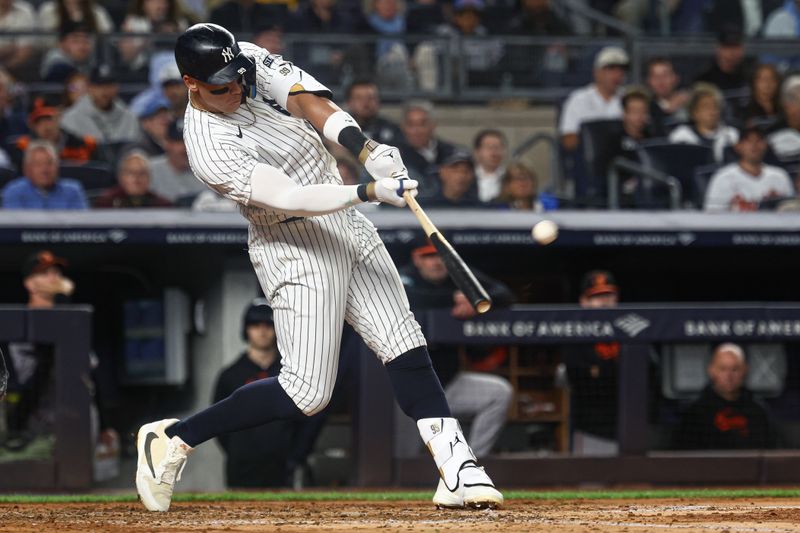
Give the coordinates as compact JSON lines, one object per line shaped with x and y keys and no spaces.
{"x":290,"y":219}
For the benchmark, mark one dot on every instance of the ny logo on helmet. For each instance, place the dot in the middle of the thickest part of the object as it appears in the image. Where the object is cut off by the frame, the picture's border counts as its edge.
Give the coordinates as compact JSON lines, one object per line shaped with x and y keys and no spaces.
{"x":227,"y":54}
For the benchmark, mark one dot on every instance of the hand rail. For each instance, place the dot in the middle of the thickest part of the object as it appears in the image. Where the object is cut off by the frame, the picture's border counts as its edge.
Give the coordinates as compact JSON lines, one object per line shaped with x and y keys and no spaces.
{"x":620,"y":163}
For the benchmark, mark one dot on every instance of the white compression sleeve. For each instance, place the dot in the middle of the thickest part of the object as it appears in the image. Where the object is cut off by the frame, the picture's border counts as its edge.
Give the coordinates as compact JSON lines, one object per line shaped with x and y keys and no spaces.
{"x":272,"y":189}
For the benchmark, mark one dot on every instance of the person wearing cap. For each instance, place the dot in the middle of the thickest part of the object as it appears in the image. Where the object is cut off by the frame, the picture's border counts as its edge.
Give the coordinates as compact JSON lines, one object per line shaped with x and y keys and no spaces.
{"x":101,"y":113}
{"x":75,"y":52}
{"x":746,"y":184}
{"x":728,"y":71}
{"x":166,"y":89}
{"x":29,"y":404}
{"x":267,"y":455}
{"x":592,"y":372}
{"x":421,"y":149}
{"x":133,"y":189}
{"x":481,"y":396}
{"x":726,"y":415}
{"x":154,"y":120}
{"x":44,"y":122}
{"x":457,"y":187}
{"x":40,"y":187}
{"x":599,"y":100}
{"x":172,"y":177}
{"x":706,"y":126}
{"x":784,"y":136}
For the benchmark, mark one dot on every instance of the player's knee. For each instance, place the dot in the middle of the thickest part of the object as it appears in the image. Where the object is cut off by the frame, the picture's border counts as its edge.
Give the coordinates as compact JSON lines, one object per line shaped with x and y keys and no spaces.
{"x":502,"y":391}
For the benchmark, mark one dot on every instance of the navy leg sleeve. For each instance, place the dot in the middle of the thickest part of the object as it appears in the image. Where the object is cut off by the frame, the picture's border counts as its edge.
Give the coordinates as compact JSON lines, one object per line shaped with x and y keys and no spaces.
{"x":416,"y":386}
{"x":253,"y":404}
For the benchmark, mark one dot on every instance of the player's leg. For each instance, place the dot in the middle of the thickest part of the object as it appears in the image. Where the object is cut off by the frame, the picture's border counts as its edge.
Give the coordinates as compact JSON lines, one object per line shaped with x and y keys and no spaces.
{"x":485,"y":399}
{"x":378,"y":309}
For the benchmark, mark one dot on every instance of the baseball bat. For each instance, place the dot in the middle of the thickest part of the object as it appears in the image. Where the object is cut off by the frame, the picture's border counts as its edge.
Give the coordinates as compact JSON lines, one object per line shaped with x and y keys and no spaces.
{"x":460,"y":273}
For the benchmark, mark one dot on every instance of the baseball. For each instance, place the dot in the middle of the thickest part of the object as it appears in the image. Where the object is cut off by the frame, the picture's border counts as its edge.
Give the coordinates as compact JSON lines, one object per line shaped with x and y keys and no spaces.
{"x":545,"y":232}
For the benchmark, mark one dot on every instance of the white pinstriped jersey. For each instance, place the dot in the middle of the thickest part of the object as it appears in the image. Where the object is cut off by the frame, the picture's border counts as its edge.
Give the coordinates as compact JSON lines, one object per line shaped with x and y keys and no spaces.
{"x":223,"y":149}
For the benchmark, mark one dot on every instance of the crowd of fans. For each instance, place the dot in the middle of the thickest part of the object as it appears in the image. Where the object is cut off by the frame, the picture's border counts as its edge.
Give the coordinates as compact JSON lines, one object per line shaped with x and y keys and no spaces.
{"x":92,"y":147}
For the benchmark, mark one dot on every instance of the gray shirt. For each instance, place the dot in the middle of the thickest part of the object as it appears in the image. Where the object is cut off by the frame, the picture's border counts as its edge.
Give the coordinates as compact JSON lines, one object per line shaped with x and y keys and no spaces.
{"x":171,"y":183}
{"x":113,"y":126}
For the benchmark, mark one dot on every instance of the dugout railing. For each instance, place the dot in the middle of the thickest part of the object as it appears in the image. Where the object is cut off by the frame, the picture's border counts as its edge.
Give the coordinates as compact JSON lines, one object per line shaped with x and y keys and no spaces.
{"x":637,"y":328}
{"x":68,"y":329}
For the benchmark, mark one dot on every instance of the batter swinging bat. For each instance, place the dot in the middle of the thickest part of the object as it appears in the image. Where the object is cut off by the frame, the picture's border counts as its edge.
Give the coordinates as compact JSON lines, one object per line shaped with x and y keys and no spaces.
{"x":460,"y":273}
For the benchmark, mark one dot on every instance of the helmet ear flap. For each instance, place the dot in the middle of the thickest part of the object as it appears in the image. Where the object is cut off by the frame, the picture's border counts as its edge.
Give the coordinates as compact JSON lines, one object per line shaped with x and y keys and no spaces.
{"x":249,"y":79}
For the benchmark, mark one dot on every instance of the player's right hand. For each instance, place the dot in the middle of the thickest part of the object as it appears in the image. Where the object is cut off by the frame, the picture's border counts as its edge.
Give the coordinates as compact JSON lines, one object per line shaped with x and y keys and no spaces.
{"x":390,"y":190}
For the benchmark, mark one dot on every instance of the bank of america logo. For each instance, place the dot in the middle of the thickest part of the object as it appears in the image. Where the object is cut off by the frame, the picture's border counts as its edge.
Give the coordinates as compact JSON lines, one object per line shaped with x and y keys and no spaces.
{"x":632,"y":324}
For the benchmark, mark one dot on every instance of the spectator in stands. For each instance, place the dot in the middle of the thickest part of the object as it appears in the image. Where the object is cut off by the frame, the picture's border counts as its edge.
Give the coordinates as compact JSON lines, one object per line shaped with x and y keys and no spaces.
{"x":322,"y":16}
{"x":45,"y":124}
{"x":726,"y":416}
{"x":518,"y":189}
{"x":624,"y":143}
{"x":16,"y":15}
{"x":764,"y":105}
{"x":154,"y":120}
{"x":363,"y":103}
{"x":166,"y":89}
{"x":706,"y":127}
{"x":784,"y":137}
{"x":592,"y":372}
{"x":746,"y":184}
{"x":101,"y":113}
{"x":76,"y":85}
{"x":424,"y":16}
{"x":267,"y":455}
{"x":748,"y":15}
{"x":783,"y":22}
{"x":269,"y":36}
{"x":422,"y":151}
{"x":457,"y":186}
{"x":75,"y":52}
{"x":392,"y":62}
{"x":538,"y":18}
{"x":172,"y":177}
{"x":148,"y":16}
{"x":668,"y":105}
{"x":599,"y":100}
{"x":133,"y":189}
{"x":481,"y":396}
{"x":54,"y":15}
{"x":489,"y":150}
{"x":238,"y":16}
{"x":12,"y":119}
{"x":40,"y":187}
{"x":728,"y":72}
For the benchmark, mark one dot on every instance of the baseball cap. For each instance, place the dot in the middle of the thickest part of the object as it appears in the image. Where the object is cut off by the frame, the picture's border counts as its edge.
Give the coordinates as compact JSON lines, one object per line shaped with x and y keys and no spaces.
{"x":424,"y":248}
{"x":750,"y":129}
{"x":151,"y":107}
{"x":598,"y":282}
{"x":730,"y":36}
{"x":41,"y":110}
{"x":73,"y":26}
{"x":611,"y":56}
{"x":461,"y":5}
{"x":102,"y":74}
{"x":41,"y":261}
{"x":459,"y":156}
{"x":175,"y":130}
{"x":169,"y":73}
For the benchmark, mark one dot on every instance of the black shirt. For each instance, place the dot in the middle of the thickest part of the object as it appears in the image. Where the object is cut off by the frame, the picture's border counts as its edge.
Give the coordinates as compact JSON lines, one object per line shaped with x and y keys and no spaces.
{"x":713,"y":423}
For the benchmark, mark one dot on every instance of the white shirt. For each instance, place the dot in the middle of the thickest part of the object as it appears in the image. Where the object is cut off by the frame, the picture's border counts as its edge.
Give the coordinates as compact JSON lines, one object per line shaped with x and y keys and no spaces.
{"x":785,"y":143}
{"x":722,"y":137}
{"x":584,"y":105}
{"x":489,"y":182}
{"x":732,"y":184}
{"x":20,"y":17}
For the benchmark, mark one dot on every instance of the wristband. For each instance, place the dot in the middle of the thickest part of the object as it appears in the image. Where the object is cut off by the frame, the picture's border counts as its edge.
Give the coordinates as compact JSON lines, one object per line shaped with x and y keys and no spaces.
{"x":361,"y":191}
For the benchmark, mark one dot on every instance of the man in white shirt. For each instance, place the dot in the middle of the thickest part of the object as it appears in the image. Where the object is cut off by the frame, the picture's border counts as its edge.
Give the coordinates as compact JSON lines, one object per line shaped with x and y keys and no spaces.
{"x":599,"y":100}
{"x":744,"y":185}
{"x":784,"y":137}
{"x":489,"y":153}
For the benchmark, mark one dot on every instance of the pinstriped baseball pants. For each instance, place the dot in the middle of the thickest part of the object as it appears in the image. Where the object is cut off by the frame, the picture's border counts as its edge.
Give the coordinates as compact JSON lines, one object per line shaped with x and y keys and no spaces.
{"x":316,"y":273}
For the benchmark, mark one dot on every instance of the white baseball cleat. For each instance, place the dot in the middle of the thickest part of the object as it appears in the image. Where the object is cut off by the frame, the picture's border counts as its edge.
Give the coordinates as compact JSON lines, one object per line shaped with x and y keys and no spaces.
{"x":462,"y":482}
{"x":161,"y":461}
{"x":475,"y":490}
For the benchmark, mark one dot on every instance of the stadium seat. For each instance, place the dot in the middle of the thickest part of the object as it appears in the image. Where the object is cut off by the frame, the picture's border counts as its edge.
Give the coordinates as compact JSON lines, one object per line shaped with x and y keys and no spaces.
{"x":595,"y":142}
{"x":702,"y":177}
{"x":678,"y":161}
{"x":93,"y":176}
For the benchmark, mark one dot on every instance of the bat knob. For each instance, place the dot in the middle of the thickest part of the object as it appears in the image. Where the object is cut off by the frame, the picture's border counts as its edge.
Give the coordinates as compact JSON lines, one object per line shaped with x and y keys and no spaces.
{"x":483,"y":306}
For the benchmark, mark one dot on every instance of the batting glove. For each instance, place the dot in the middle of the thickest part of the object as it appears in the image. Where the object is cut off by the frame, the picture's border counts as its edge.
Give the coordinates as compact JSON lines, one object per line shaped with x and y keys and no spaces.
{"x":383,"y":161}
{"x":390,"y":190}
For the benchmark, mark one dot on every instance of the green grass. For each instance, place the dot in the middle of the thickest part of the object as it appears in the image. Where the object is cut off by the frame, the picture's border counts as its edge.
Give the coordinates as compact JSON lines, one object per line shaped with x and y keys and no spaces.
{"x":409,"y":496}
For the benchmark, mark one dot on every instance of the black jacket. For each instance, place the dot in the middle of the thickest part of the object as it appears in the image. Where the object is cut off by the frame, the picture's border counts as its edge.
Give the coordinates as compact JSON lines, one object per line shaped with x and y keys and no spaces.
{"x":712,"y":423}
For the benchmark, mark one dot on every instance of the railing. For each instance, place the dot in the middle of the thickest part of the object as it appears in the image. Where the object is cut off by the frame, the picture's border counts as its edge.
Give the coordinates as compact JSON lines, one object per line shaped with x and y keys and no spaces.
{"x":646,"y":174}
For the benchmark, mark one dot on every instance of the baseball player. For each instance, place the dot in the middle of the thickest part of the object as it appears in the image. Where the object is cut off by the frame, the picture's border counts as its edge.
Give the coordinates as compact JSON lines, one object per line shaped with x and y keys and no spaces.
{"x":251,"y":132}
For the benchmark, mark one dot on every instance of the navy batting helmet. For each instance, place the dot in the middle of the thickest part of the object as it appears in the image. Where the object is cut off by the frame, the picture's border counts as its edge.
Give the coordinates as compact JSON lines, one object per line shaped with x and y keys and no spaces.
{"x":257,"y":312}
{"x":210,"y":53}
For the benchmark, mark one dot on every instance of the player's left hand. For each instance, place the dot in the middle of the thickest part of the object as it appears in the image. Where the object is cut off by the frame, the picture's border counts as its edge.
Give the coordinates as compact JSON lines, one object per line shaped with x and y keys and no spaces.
{"x":390,"y":190}
{"x":462,"y":309}
{"x":384,"y":161}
